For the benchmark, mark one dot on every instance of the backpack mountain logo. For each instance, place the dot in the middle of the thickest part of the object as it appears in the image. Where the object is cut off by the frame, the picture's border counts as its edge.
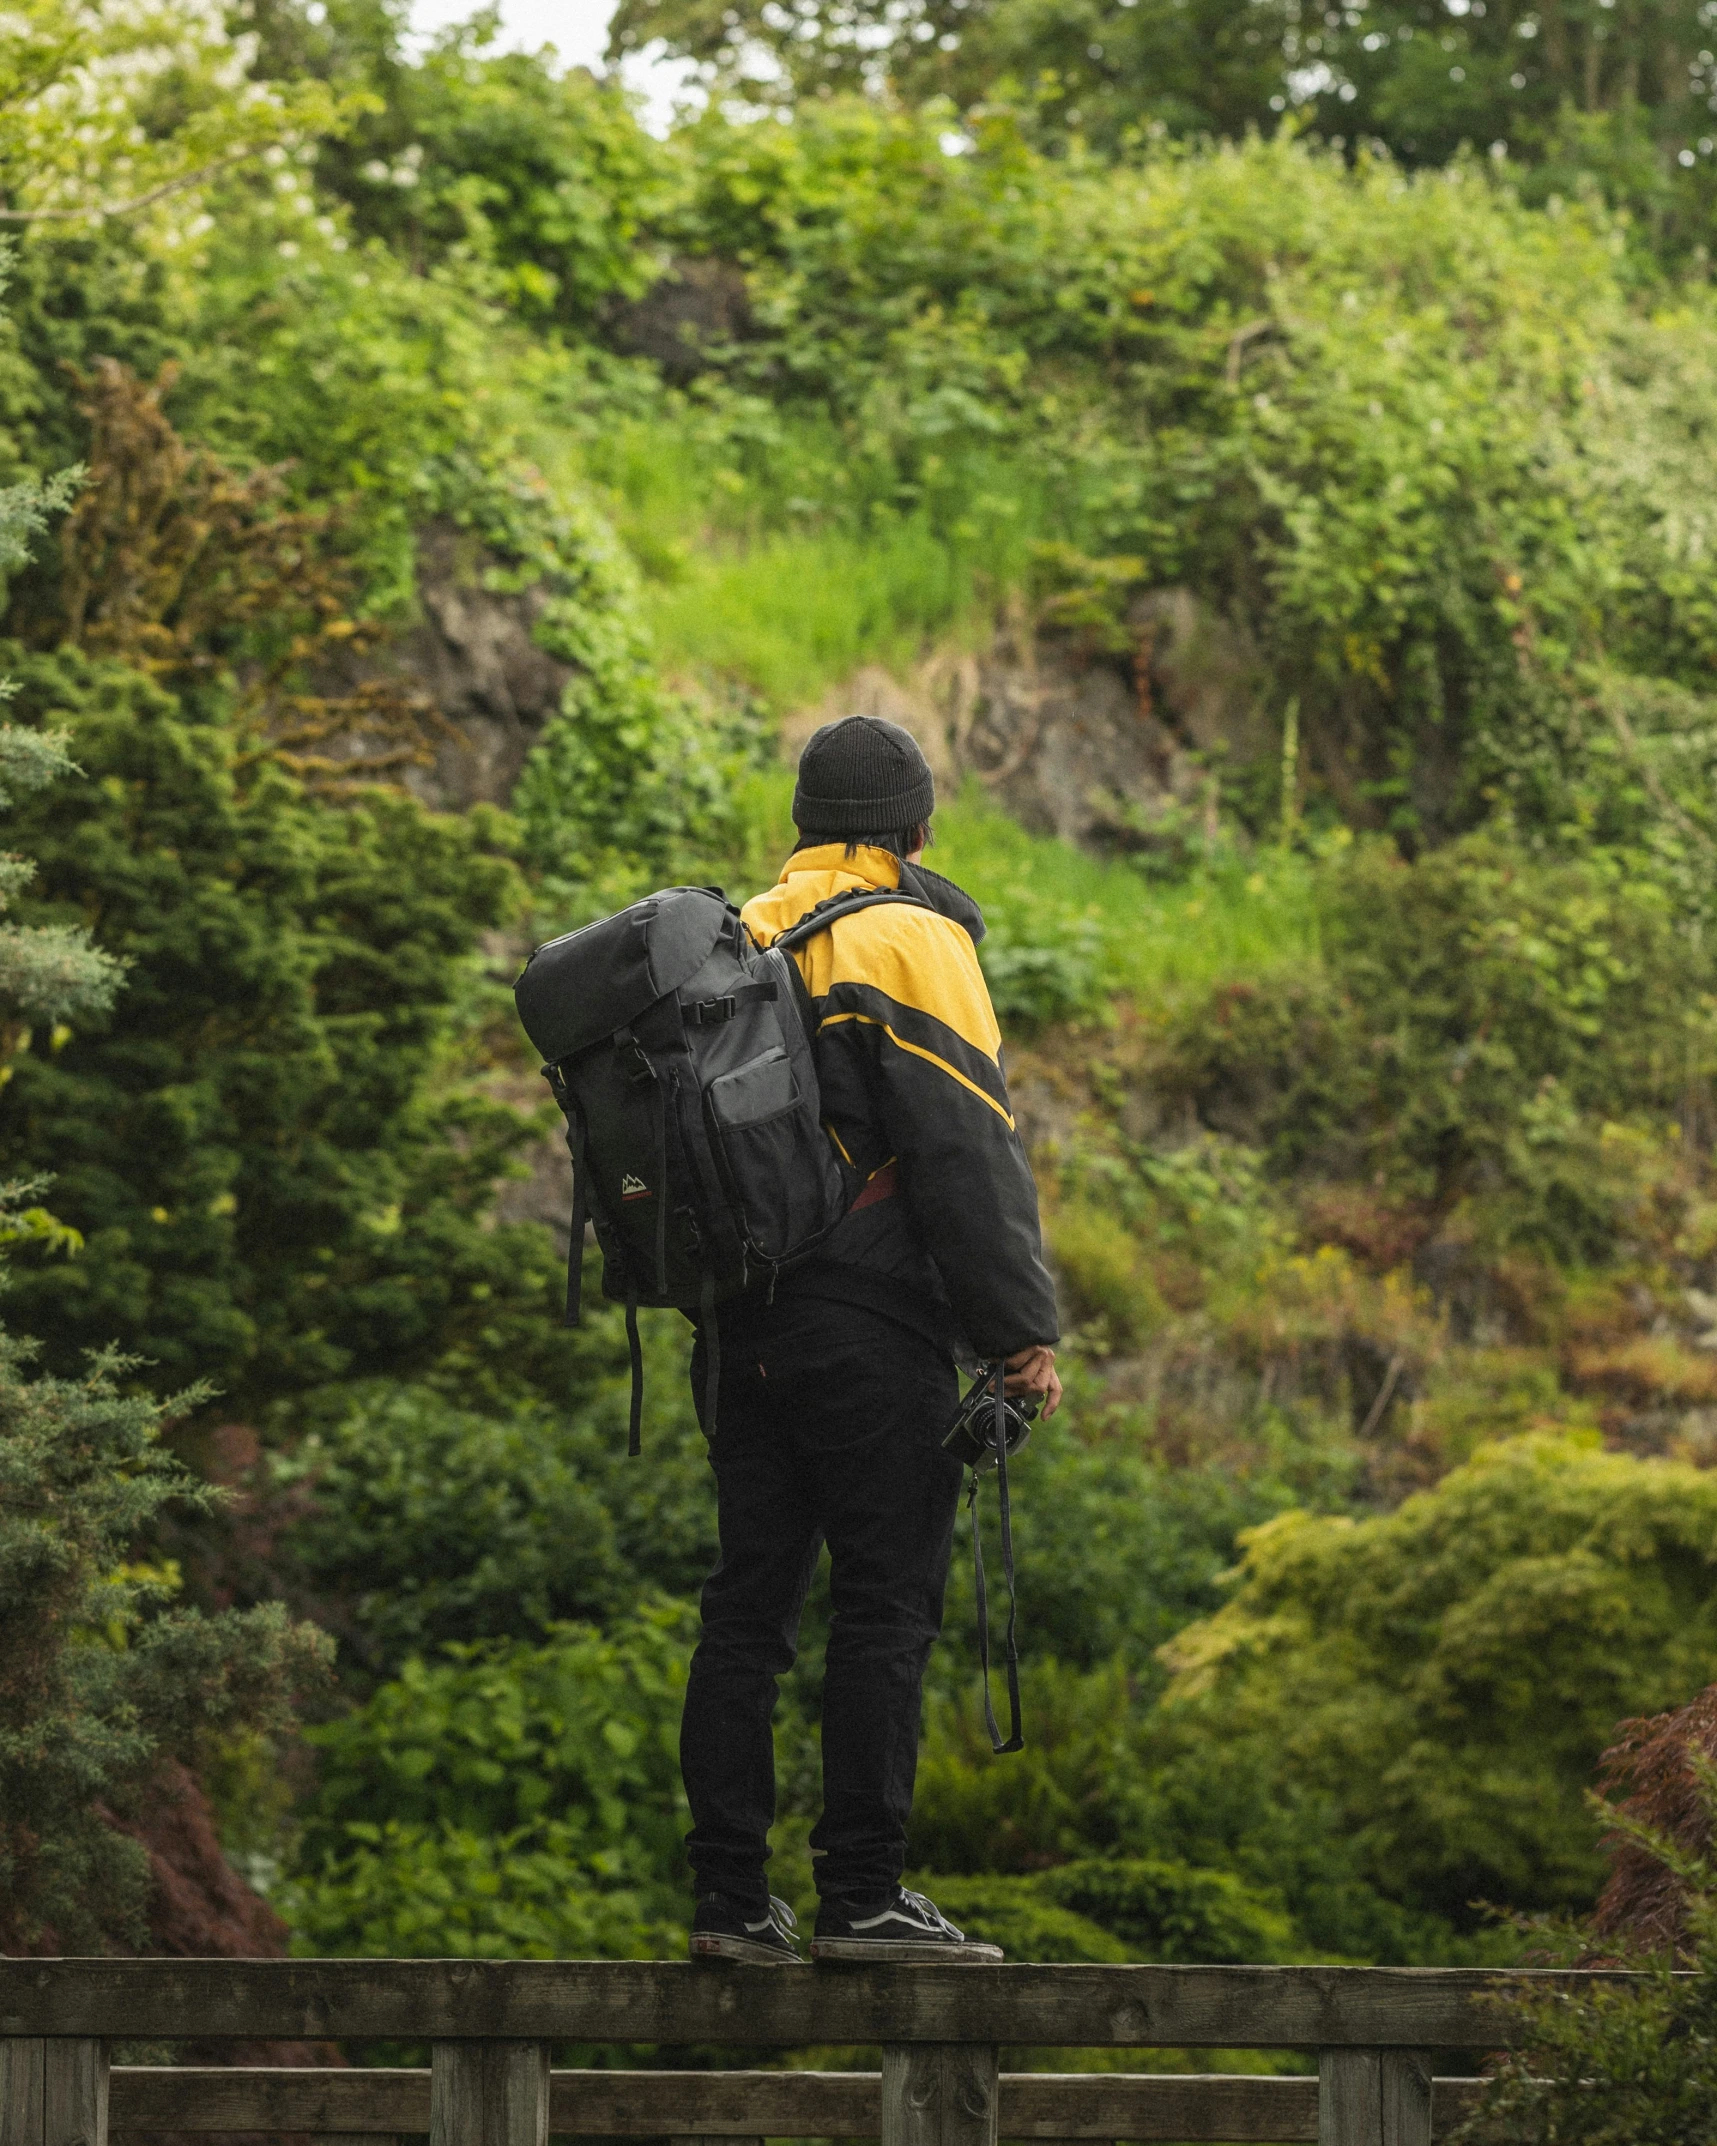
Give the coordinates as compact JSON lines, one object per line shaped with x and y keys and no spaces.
{"x":633,"y":1188}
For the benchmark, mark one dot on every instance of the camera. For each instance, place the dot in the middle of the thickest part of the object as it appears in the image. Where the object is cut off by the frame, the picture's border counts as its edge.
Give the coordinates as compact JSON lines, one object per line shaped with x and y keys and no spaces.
{"x":972,"y":1438}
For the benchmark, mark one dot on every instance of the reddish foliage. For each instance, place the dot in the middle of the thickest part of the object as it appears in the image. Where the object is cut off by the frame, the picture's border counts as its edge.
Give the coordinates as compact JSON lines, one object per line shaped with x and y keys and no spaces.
{"x":1382,"y":1233}
{"x":1648,"y":1768}
{"x":203,"y":1909}
{"x":231,"y":1558}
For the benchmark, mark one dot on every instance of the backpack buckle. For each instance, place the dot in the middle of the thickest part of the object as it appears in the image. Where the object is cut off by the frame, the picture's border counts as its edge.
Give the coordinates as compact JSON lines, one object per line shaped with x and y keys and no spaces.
{"x":710,"y":1010}
{"x":638,"y":1067}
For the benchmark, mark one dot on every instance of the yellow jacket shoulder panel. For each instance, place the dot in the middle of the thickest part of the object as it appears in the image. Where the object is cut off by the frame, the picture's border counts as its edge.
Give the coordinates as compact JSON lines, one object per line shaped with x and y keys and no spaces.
{"x":920,"y":960}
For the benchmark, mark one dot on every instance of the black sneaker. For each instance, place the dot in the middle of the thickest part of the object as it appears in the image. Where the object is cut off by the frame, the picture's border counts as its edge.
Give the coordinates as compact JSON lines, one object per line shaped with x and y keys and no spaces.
{"x":907,"y":1927}
{"x":724,"y":1930}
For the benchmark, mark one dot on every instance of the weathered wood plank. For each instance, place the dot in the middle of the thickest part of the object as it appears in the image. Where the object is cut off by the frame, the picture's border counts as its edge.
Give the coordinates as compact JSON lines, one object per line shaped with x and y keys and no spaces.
{"x":373,"y":2106}
{"x":634,"y":2001}
{"x":1166,"y":2105}
{"x":21,"y":2109}
{"x":1350,"y":2098}
{"x":285,"y":2098}
{"x":730,"y":2105}
{"x":488,"y":2094}
{"x":74,"y":2093}
{"x":939,"y":2095}
{"x":1405,"y":2079}
{"x":1452,"y":2102}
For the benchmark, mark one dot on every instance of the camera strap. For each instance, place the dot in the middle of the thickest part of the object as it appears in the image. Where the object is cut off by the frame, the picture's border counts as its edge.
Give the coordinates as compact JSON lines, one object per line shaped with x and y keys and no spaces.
{"x":1015,"y":1738}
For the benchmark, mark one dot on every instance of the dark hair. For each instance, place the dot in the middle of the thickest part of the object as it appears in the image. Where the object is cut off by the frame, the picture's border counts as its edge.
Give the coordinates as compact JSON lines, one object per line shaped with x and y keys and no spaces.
{"x":900,"y":844}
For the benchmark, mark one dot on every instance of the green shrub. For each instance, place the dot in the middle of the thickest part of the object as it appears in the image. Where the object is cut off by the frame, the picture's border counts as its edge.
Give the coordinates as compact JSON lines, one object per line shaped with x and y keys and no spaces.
{"x":1480,"y":1020}
{"x":446,"y":1892}
{"x":1018,"y":1915}
{"x":101,"y":1676}
{"x":558,"y":1761}
{"x":1431,"y":1688}
{"x":1170,"y":1911}
{"x":429,"y":1523}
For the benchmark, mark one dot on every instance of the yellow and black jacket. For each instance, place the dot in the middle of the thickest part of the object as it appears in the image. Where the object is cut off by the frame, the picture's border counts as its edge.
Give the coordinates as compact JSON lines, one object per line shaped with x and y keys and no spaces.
{"x":944,"y":1234}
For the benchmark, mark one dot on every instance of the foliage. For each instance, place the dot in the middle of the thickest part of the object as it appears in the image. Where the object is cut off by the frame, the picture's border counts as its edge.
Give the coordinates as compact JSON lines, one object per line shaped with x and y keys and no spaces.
{"x":1448,"y":1674}
{"x":432,"y":1523}
{"x":1570,"y":96}
{"x":1120,"y":1550}
{"x":1120,"y":1908}
{"x":546,"y":178}
{"x":1068,"y":932}
{"x":117,"y":112}
{"x":1480,"y":1031}
{"x":267,"y":1194}
{"x":629,"y":774}
{"x":104,"y":1678}
{"x":1412,"y":442}
{"x":1016,"y":1914}
{"x":1656,"y":1777}
{"x":48,"y":973}
{"x":504,"y":1800}
{"x":1170,"y":1911}
{"x":1627,"y":2066}
{"x":1630,"y":2060}
{"x":1355,"y":1156}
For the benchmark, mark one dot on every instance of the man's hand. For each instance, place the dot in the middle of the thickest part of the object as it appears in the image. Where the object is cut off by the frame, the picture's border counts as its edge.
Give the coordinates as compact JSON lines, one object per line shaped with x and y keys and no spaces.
{"x":1033,"y":1371}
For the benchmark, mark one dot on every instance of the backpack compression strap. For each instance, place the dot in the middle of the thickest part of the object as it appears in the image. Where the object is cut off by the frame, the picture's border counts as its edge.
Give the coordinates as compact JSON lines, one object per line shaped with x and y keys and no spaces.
{"x":580,"y":1194}
{"x":835,"y":906}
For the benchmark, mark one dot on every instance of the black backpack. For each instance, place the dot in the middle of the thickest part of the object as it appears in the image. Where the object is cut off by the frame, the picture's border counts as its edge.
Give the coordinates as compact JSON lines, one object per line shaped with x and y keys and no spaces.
{"x":680,"y":1052}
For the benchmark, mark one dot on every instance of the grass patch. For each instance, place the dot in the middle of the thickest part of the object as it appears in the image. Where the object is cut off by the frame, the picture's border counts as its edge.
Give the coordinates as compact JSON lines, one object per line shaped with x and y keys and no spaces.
{"x":775,"y":555}
{"x":1098,"y":924}
{"x":1237,"y":916}
{"x":794,"y":613}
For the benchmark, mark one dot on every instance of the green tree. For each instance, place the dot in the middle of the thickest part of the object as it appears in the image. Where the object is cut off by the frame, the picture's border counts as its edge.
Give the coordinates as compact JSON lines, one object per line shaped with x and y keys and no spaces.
{"x":48,"y":973}
{"x":102,"y":1677}
{"x":1570,"y":94}
{"x":278,"y":1178}
{"x":1443,"y":1678}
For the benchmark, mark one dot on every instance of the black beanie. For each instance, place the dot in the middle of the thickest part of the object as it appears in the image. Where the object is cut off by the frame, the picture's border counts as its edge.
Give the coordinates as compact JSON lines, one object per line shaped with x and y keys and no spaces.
{"x":862,"y":776}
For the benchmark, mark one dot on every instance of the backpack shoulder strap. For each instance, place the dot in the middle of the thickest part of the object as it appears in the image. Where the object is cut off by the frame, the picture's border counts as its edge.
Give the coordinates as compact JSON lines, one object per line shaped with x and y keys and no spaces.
{"x":836,"y":906}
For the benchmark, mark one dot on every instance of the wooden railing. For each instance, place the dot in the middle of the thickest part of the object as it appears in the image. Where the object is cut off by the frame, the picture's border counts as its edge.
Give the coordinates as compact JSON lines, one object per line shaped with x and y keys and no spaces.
{"x":491,"y":2025}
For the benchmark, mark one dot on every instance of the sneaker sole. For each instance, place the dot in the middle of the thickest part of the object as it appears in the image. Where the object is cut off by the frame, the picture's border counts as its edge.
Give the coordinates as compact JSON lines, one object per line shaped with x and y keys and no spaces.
{"x":910,"y":1951}
{"x":712,"y":1945}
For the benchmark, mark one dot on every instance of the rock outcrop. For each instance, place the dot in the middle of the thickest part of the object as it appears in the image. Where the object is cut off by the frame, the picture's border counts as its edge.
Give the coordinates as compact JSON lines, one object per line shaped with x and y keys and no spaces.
{"x":1116,"y":751}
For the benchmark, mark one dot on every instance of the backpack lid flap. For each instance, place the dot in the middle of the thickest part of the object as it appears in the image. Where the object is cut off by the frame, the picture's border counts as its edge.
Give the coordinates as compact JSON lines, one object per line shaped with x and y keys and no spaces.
{"x":581,"y":988}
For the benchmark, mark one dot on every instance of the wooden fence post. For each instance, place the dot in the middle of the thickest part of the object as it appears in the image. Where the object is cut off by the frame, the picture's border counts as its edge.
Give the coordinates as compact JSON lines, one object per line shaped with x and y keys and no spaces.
{"x":1406,"y":2082}
{"x":1374,"y":2097}
{"x":939,"y":2094}
{"x":1350,"y":2098}
{"x":488,"y":2094}
{"x":74,"y":2092}
{"x":21,"y":2110}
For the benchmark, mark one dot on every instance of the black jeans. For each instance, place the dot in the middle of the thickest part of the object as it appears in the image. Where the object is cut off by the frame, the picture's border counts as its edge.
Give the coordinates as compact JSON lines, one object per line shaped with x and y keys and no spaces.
{"x":829,"y":1428}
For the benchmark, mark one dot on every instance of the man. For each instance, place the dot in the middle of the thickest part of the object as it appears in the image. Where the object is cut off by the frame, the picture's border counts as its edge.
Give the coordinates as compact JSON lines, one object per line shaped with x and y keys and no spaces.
{"x":835,"y":1395}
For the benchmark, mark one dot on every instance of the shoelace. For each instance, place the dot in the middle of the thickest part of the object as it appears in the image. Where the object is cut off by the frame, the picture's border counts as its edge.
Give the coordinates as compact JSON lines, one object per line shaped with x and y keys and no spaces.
{"x":780,"y":1915}
{"x":928,"y":1909}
